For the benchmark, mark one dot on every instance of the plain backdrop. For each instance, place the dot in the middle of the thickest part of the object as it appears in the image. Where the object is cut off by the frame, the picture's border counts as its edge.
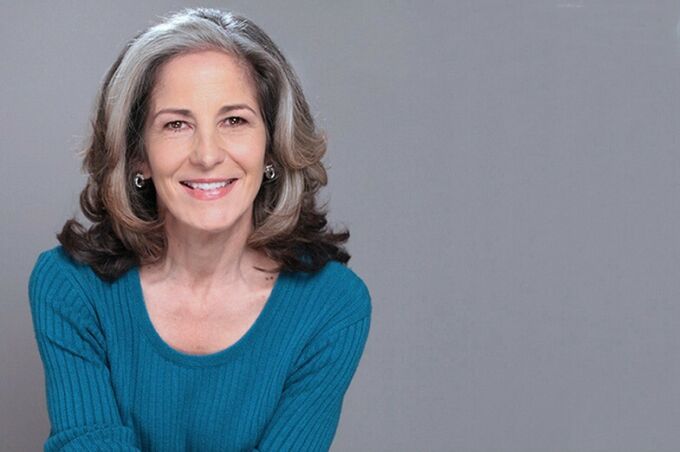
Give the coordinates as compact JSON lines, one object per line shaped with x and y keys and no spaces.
{"x":509,"y":171}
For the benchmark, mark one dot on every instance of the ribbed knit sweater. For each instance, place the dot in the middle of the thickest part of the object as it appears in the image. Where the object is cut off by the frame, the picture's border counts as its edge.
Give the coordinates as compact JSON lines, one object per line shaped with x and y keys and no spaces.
{"x":113,"y":384}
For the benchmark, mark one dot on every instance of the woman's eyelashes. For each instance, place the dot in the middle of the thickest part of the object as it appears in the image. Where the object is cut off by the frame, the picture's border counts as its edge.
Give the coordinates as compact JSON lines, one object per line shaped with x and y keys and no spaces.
{"x":235,"y":121}
{"x":231,"y":121}
{"x":175,"y":126}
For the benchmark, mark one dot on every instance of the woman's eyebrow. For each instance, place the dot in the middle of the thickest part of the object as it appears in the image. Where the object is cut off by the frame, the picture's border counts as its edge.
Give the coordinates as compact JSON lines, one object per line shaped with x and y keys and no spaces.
{"x":228,"y":108}
{"x":185,"y":112}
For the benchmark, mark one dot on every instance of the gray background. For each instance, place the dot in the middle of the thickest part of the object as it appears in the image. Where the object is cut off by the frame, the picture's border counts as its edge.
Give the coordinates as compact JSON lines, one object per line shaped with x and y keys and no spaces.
{"x":510,"y":174}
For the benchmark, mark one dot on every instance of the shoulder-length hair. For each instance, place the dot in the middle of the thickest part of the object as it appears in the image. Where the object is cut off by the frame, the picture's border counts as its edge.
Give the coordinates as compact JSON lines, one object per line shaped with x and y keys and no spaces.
{"x":127,"y":229}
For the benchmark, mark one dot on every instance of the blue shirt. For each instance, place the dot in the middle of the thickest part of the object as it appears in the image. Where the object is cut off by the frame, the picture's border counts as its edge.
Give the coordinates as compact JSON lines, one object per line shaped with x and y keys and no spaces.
{"x":112,"y":383}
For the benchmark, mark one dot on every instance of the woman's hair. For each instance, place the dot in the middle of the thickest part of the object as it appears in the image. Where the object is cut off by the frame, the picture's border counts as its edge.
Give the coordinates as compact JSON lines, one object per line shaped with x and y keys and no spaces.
{"x":126,"y":228}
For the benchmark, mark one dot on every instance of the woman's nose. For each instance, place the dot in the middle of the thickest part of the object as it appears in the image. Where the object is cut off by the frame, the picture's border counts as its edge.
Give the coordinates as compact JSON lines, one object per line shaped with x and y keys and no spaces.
{"x":208,"y":149}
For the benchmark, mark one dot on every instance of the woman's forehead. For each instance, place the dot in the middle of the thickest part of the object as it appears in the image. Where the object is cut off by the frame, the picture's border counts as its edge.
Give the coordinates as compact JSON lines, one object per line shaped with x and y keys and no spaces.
{"x":205,"y":76}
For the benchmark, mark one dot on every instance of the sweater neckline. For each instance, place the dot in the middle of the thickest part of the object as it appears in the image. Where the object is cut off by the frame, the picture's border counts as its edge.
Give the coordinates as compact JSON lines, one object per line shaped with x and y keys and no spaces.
{"x":260,"y":325}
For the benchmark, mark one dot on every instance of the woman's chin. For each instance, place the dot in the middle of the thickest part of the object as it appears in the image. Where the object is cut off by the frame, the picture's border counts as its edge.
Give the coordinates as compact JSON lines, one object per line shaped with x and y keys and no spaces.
{"x":207,"y":228}
{"x":211,"y":228}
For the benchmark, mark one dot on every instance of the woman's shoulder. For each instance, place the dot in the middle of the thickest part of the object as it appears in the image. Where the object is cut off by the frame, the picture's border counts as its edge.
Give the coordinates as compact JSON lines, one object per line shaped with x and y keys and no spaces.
{"x":57,"y":260}
{"x":336,"y":272}
{"x":63,"y":299}
{"x":54,"y":267}
{"x":335,"y":276}
{"x":57,"y":254}
{"x":337,"y":290}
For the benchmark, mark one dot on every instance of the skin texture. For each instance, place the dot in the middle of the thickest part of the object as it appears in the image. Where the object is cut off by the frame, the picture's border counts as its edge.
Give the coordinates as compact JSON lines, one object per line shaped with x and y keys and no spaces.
{"x":207,"y":292}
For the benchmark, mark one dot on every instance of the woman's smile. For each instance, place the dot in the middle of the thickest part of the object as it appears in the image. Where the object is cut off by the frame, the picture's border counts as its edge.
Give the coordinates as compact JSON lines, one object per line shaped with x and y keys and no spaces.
{"x":209,"y":191}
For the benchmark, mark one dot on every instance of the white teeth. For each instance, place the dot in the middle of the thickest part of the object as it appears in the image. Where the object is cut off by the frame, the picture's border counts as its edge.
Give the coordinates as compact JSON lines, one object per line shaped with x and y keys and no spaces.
{"x":210,"y":186}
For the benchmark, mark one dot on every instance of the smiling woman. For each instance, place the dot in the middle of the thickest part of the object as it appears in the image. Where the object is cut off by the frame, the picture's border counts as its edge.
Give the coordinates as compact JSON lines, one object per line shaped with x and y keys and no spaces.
{"x":208,"y":306}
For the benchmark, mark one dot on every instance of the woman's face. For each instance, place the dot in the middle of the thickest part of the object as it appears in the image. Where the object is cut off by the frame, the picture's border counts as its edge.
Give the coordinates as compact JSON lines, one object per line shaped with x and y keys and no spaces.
{"x":205,"y":140}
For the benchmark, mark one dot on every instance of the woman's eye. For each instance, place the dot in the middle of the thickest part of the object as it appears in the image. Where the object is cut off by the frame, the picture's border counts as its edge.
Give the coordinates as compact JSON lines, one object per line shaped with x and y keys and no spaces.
{"x":175,"y":126}
{"x":235,"y":121}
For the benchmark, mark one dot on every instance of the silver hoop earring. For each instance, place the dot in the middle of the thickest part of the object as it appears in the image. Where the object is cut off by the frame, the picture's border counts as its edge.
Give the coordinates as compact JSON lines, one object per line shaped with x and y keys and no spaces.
{"x":139,"y":180}
{"x":269,"y":172}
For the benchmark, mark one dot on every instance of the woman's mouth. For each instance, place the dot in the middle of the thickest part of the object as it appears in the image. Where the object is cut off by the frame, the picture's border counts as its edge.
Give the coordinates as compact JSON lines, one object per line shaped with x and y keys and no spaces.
{"x":208,"y":191}
{"x":207,"y":186}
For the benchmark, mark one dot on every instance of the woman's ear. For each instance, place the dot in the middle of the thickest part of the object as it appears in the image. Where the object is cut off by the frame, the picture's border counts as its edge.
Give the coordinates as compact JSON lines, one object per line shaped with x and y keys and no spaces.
{"x":144,"y":169}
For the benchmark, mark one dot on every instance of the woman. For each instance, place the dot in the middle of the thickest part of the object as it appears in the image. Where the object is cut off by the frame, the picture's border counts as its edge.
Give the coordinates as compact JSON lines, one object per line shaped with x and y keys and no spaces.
{"x":208,"y":307}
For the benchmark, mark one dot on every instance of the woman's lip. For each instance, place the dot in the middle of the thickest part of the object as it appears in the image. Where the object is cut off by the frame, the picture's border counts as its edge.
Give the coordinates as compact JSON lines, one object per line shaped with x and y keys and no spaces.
{"x":207,"y":181}
{"x":209,"y":195}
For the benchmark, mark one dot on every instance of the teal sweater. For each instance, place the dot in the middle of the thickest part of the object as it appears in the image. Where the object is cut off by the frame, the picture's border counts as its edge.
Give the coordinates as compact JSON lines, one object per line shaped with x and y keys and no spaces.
{"x":113,"y":384}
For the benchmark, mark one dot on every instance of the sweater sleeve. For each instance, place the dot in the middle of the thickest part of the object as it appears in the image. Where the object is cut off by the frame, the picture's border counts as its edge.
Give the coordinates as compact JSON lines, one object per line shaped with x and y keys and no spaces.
{"x":308,"y":412}
{"x":81,"y":405}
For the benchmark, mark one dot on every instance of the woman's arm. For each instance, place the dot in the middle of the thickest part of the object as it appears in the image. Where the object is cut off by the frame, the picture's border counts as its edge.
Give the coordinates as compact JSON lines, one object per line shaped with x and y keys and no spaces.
{"x":81,"y":405}
{"x":308,"y":412}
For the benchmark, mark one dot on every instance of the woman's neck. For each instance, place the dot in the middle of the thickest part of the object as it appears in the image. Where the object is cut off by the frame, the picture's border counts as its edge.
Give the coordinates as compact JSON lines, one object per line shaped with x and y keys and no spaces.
{"x":200,"y":260}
